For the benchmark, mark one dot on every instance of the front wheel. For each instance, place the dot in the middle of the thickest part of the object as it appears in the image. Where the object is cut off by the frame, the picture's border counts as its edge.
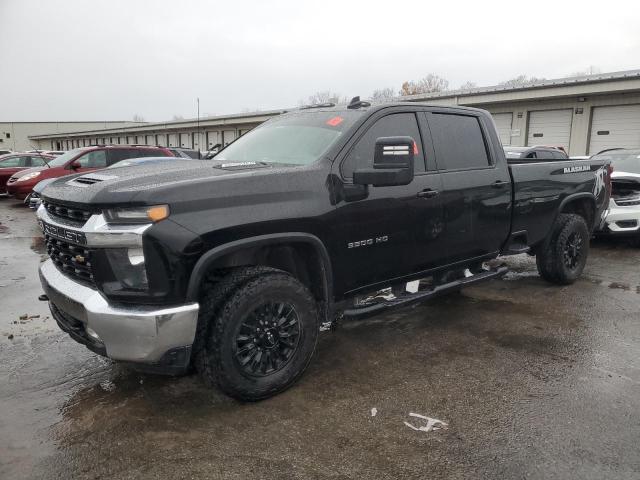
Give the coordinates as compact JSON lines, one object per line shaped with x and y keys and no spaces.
{"x":564,"y":257}
{"x":263,"y":337}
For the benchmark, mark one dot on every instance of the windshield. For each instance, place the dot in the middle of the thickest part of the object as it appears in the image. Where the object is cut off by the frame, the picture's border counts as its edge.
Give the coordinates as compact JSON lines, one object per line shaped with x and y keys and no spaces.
{"x":64,"y":158}
{"x":298,"y":138}
{"x":622,"y":160}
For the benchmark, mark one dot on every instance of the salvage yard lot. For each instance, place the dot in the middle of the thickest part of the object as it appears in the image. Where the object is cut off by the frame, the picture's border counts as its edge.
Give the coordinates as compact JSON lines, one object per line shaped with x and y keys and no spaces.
{"x":532,"y":380}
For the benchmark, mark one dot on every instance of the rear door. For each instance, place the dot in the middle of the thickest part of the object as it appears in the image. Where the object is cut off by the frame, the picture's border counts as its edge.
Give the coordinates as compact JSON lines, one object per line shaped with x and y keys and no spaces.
{"x":476,"y":194}
{"x":376,"y":235}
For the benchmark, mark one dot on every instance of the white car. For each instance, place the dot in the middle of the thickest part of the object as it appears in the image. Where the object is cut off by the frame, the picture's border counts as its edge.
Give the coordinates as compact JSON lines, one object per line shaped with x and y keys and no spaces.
{"x":623,"y":217}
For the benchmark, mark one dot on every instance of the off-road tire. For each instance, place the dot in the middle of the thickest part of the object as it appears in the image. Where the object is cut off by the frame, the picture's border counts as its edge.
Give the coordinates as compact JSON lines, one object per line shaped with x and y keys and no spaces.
{"x":222,"y":366}
{"x":550,"y":258}
{"x":216,"y":290}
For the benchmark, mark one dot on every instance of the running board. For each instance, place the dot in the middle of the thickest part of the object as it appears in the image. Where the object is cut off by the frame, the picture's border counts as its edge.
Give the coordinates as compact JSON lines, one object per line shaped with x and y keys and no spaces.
{"x":417,"y":297}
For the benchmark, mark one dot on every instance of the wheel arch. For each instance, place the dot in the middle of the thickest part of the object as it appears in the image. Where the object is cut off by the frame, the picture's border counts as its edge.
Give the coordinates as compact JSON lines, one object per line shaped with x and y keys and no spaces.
{"x":583,"y":204}
{"x":301,"y":254}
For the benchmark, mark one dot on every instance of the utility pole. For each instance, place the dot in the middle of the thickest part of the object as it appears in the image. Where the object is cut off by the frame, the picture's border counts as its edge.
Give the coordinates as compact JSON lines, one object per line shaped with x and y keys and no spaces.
{"x":198,"y":128}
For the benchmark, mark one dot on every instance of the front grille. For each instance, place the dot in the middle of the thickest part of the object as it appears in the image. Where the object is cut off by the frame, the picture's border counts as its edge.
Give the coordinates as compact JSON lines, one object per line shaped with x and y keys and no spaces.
{"x":73,"y":260}
{"x":76,"y":215}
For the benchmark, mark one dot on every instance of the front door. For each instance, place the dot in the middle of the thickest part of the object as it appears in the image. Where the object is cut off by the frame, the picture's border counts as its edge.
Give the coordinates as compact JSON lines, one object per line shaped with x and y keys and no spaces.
{"x":375,"y":235}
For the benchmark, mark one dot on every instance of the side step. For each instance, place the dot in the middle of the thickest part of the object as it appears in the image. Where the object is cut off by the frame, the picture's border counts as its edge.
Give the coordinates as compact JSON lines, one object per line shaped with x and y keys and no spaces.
{"x":421,"y":296}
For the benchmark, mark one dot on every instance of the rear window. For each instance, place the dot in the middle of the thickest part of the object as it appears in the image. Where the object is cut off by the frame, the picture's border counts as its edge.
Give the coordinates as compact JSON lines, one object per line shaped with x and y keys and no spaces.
{"x":458,"y":141}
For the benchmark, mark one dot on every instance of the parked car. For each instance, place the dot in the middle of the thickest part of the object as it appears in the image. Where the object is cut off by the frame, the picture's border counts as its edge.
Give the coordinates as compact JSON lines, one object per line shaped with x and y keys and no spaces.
{"x":535,"y":153}
{"x":623,"y":217}
{"x":13,"y":163}
{"x":132,"y":162}
{"x":55,"y":153}
{"x":79,"y":160}
{"x":185,"y":152}
{"x":232,"y":265}
{"x":4,"y":152}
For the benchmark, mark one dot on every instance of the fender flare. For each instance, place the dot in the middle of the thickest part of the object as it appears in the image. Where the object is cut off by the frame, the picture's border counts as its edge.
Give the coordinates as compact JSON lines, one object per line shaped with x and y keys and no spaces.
{"x":579,"y":196}
{"x":209,"y":257}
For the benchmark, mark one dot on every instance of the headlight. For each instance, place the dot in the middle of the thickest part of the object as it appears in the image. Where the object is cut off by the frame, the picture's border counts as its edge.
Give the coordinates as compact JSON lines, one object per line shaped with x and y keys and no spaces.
{"x":128,"y":266}
{"x":154,"y":213}
{"x":28,"y":176}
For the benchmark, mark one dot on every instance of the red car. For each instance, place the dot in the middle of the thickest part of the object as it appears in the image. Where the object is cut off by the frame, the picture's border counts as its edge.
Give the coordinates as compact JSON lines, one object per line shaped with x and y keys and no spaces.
{"x":79,"y":160}
{"x":15,"y":162}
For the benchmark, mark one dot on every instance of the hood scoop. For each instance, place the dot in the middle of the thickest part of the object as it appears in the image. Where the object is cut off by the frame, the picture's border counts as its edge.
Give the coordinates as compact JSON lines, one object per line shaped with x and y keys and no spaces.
{"x":86,"y":180}
{"x":240,"y":165}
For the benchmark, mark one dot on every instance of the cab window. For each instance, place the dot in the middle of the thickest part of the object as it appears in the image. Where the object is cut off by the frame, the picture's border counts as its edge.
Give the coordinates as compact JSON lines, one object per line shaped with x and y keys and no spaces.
{"x":394,"y":125}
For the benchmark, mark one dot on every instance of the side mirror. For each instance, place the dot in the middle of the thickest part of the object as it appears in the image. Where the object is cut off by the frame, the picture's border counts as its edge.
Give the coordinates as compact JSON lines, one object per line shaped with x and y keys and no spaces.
{"x":75,"y":165}
{"x":392,"y":163}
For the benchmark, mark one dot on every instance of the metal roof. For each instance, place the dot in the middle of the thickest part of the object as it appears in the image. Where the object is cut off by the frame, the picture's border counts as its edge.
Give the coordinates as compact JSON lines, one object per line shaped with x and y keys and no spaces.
{"x":251,"y":116}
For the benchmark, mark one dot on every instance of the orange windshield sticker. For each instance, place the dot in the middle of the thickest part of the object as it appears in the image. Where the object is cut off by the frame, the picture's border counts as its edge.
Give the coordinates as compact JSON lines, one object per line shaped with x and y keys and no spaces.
{"x":335,"y":121}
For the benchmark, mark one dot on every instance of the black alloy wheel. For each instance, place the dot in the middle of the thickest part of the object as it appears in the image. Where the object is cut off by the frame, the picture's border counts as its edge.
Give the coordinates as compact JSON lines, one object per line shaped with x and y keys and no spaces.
{"x":573,"y":251}
{"x":267,"y":339}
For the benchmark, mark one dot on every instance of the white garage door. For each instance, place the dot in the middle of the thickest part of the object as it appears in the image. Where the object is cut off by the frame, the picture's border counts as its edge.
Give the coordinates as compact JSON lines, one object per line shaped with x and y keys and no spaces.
{"x":613,"y":127}
{"x":550,"y":127}
{"x":173,"y":140}
{"x":212,"y":139}
{"x":503,"y":123}
{"x":228,"y":136}
{"x":185,"y":140}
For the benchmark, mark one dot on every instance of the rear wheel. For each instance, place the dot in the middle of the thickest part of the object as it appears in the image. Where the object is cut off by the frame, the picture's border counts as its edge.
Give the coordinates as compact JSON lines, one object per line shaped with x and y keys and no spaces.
{"x":564,"y":257}
{"x":263,"y":337}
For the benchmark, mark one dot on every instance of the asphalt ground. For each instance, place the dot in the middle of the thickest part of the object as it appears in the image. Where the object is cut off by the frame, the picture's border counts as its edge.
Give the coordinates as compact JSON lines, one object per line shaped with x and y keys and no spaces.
{"x":528,"y":380}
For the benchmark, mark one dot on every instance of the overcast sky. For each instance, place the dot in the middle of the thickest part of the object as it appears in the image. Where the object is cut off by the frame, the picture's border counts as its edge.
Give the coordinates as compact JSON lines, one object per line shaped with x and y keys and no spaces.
{"x":111,"y":59}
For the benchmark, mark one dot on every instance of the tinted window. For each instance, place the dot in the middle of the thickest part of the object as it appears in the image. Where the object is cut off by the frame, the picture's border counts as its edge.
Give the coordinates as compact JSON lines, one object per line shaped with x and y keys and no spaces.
{"x":93,"y":159}
{"x":37,"y":162}
{"x":394,"y":125}
{"x":532,"y":155}
{"x":458,"y":141}
{"x":559,"y":155}
{"x":13,"y":162}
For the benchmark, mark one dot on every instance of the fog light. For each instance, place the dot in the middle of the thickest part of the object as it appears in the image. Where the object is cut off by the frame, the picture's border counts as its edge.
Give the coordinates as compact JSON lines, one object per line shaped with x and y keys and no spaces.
{"x":128,"y":266}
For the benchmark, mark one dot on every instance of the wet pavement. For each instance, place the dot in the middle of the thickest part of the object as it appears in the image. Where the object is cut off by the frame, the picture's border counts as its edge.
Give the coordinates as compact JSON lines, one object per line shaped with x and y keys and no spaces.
{"x":532,"y":380}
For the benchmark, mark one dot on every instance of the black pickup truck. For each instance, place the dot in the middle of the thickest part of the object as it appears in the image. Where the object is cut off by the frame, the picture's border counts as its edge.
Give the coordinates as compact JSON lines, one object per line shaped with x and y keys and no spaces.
{"x":233,"y":265}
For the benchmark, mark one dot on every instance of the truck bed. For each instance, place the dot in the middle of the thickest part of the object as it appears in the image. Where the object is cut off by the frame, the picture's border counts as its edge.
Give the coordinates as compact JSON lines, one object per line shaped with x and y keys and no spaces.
{"x":540,"y":188}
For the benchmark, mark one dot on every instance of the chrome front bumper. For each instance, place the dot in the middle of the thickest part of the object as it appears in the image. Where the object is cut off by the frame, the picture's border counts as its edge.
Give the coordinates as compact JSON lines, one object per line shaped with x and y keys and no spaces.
{"x":141,"y":334}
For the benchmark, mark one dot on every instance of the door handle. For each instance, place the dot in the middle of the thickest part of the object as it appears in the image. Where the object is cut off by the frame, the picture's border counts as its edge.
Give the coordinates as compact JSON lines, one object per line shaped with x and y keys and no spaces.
{"x":499,"y":184}
{"x":427,"y":193}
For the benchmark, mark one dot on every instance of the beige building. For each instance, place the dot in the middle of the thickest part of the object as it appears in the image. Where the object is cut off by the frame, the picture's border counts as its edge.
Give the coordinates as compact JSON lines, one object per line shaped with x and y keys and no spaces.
{"x":583,"y":114}
{"x":17,"y":136}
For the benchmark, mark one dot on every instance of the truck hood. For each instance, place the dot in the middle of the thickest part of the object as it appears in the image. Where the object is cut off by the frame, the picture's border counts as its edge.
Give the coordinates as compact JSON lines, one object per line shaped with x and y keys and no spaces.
{"x":149,"y":184}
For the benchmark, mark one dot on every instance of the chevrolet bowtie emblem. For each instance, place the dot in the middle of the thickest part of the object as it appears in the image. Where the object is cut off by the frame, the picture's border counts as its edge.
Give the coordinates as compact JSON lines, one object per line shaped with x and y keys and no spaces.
{"x":79,"y":258}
